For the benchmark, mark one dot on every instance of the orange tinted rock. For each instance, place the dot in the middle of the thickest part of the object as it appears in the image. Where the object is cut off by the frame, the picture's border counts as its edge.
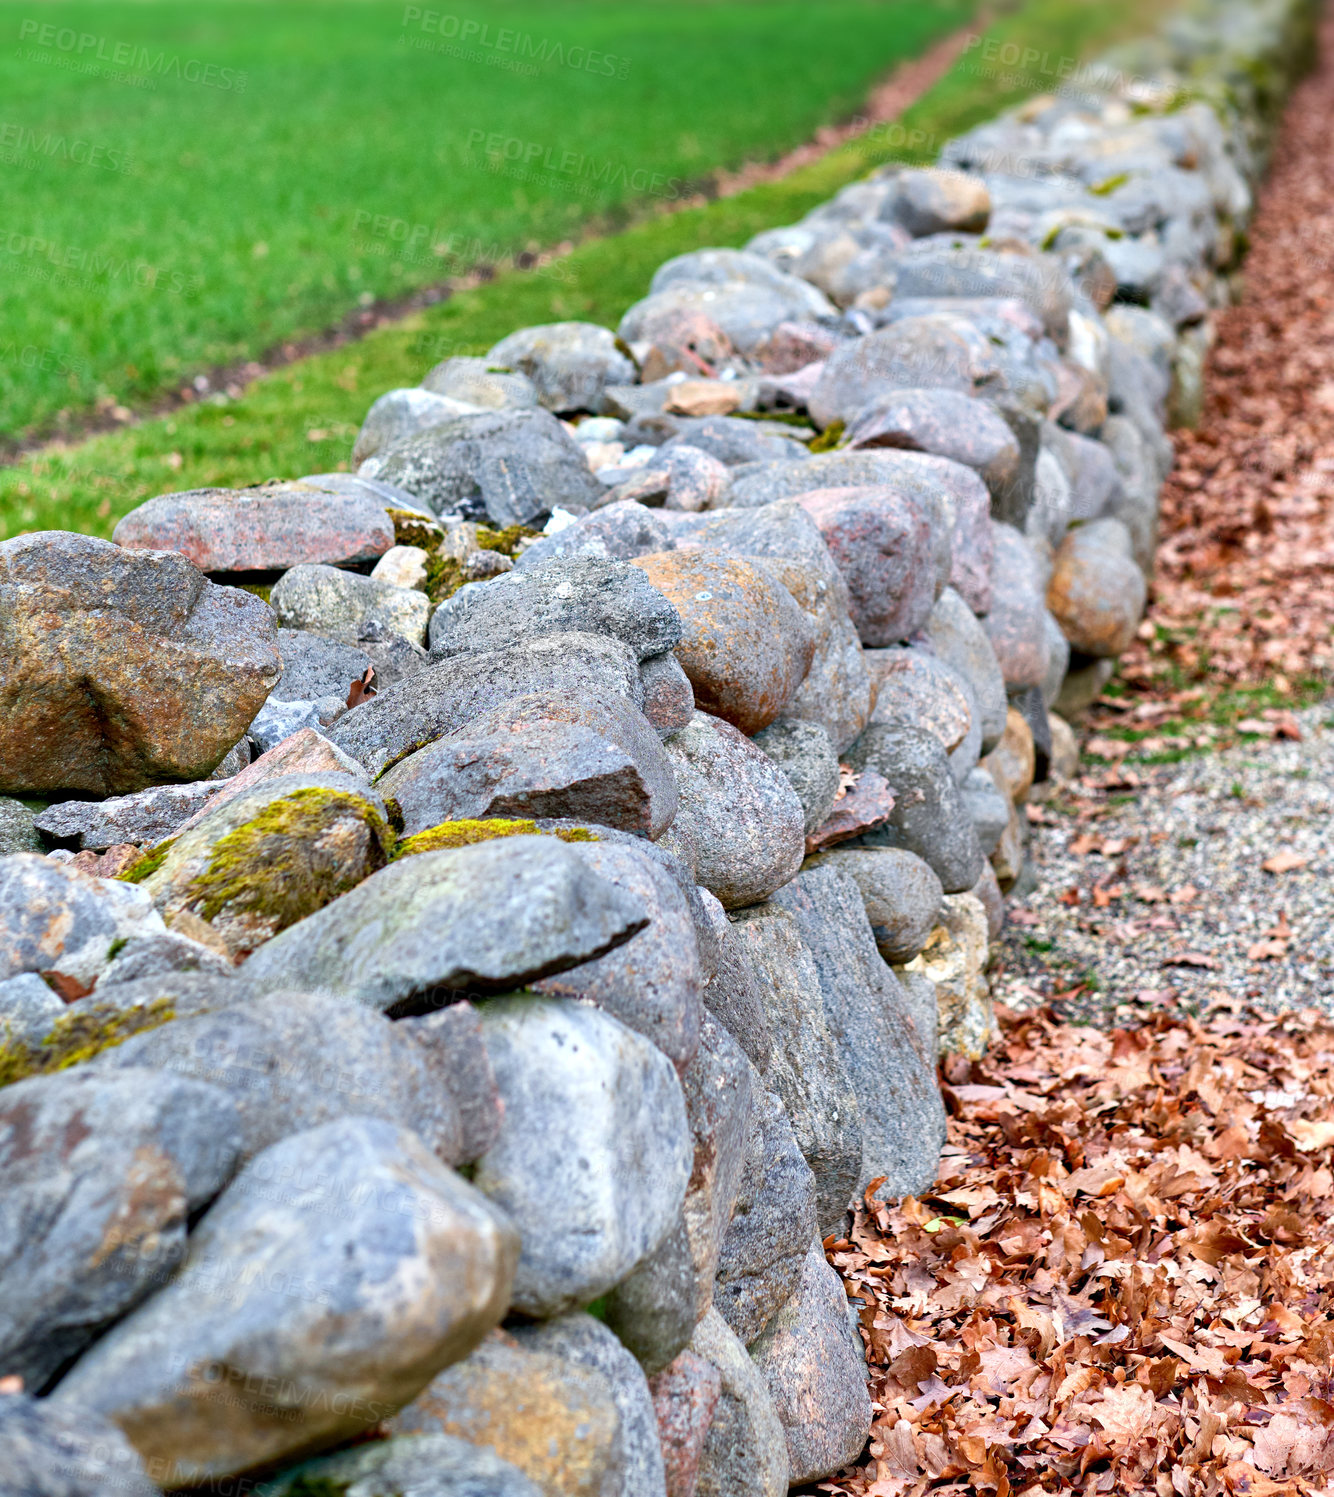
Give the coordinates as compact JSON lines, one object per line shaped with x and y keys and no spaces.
{"x":747,"y":644}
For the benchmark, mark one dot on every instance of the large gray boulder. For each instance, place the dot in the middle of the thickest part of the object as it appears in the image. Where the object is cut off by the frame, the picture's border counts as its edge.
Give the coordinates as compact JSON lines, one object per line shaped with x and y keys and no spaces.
{"x":932,"y":352}
{"x":652,"y":983}
{"x":444,"y":697}
{"x":1016,"y":624}
{"x":298,"y":1060}
{"x":655,"y":1309}
{"x":99,"y":1175}
{"x":403,"y":413}
{"x":569,"y":363}
{"x":803,"y":752}
{"x":900,"y":893}
{"x":379,"y":1267}
{"x":48,"y":1451}
{"x":954,"y":634}
{"x":929,"y":816}
{"x":745,"y":1450}
{"x":594,"y":1153}
{"x":583,"y":594}
{"x":505,"y":467}
{"x":739,"y":825}
{"x":773,"y":1221}
{"x":815,"y":1367}
{"x":487,"y":917}
{"x":477,"y":381}
{"x":624,"y":529}
{"x":893,"y":1072}
{"x":733,"y":988}
{"x":121,"y":669}
{"x":806,"y":1068}
{"x":541,"y":754}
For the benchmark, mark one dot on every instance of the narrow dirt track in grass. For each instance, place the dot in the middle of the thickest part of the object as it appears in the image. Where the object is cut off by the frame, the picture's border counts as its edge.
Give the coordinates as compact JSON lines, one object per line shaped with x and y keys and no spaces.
{"x":1122,"y":1280}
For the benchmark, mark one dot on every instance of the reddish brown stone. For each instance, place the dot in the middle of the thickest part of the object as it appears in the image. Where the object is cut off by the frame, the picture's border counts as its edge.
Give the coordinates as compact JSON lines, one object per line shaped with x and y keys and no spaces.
{"x":685,"y":1397}
{"x":885,"y":545}
{"x":265,"y":529}
{"x":866,"y":804}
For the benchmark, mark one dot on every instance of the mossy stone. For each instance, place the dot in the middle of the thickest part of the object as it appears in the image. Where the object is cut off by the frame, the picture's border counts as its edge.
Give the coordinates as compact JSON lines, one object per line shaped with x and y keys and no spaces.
{"x":84,"y":1031}
{"x":450,"y":834}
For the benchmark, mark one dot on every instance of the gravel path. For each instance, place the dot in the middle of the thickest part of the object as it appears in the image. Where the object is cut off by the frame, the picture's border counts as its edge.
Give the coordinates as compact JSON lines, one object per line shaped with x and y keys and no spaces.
{"x":1152,"y":885}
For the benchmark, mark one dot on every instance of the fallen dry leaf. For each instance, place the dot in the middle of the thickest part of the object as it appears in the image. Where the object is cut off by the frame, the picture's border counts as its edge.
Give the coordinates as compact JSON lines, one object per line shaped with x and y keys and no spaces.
{"x":1285,"y":862}
{"x":1123,"y":1281}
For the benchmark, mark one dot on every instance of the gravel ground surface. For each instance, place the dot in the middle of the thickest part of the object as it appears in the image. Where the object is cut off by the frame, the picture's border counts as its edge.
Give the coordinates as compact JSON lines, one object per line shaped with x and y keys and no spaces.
{"x":1152,"y":885}
{"x":1214,"y":877}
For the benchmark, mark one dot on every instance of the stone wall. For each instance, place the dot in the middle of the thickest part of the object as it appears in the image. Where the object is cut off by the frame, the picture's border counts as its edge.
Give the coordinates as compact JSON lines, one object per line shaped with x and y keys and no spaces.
{"x":450,"y":995}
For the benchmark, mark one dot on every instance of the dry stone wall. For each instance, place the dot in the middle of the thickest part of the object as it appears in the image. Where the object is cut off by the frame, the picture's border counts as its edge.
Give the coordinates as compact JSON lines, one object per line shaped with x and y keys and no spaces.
{"x":448,"y":997}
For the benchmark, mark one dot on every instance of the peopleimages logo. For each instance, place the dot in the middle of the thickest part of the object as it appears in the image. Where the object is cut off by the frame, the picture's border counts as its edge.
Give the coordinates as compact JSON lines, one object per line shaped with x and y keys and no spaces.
{"x":89,"y":49}
{"x":16,"y":139}
{"x":504,"y":41}
{"x":549,"y":166}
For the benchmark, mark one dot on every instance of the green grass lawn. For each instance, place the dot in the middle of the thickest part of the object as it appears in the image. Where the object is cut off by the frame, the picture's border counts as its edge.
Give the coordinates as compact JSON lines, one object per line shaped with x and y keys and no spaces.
{"x":188,"y":183}
{"x":303,"y":418}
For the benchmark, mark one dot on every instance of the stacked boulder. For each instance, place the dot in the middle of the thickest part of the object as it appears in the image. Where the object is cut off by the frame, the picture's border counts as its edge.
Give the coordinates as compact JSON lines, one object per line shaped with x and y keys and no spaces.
{"x":470,"y":928}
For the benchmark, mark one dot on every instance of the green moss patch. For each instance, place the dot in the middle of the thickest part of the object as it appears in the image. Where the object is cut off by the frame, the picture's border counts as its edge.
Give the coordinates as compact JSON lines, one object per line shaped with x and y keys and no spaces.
{"x":149,"y":864}
{"x":451,"y":834}
{"x":272,"y":865}
{"x":829,"y":438}
{"x":85,"y":1030}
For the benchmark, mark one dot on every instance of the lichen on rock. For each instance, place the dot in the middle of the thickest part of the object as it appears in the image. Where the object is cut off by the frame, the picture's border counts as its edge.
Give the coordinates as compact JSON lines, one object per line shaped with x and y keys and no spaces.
{"x":451,"y":834}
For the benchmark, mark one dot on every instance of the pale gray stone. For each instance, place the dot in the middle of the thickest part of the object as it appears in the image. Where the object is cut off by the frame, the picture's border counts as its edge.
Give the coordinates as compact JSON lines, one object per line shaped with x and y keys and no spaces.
{"x":569,"y":363}
{"x":900,"y":892}
{"x":582,"y":594}
{"x":739,"y":824}
{"x":815,"y":1367}
{"x":745,"y":1450}
{"x":892,"y":1071}
{"x":773,"y":1221}
{"x":99,"y":1174}
{"x":298,"y":1060}
{"x":487,"y":917}
{"x":652,"y":983}
{"x":46,"y":1451}
{"x":929,"y":816}
{"x":447,"y":696}
{"x":145,"y":816}
{"x":339,"y":604}
{"x":594,"y":1153}
{"x":803,"y":752}
{"x":805,"y":1068}
{"x":503,"y":467}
